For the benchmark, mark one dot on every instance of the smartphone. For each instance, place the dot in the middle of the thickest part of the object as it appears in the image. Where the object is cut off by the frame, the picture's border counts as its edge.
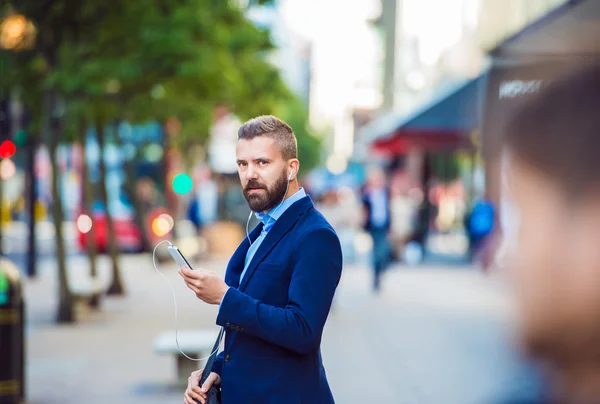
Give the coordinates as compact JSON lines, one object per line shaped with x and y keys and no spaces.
{"x":178,"y":257}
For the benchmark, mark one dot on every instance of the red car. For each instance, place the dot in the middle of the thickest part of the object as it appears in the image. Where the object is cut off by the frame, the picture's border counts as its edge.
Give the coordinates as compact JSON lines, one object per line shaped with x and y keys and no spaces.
{"x":128,"y":235}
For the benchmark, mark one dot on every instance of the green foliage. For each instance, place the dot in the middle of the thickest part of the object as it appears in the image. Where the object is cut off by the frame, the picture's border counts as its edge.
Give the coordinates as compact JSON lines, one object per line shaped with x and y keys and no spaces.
{"x":446,"y":167}
{"x":142,"y":60}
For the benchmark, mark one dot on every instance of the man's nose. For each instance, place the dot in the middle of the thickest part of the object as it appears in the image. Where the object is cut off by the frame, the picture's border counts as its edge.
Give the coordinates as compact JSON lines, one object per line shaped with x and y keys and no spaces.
{"x":251,"y":173}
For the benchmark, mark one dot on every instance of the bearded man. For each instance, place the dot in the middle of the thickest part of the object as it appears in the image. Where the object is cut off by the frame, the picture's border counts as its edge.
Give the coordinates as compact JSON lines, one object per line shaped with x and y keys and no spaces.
{"x":279,"y":283}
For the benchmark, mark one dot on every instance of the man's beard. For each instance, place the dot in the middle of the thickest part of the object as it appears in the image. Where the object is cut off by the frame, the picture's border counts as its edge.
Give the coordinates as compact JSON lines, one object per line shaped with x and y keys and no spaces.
{"x":268,"y":198}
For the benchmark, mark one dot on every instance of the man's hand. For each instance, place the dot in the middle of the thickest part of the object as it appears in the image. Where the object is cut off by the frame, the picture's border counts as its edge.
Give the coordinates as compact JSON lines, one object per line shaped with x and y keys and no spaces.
{"x":207,"y":286}
{"x":194,"y":392}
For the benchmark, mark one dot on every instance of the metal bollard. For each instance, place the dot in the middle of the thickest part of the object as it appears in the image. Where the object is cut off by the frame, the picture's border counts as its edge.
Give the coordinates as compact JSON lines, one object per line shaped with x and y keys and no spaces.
{"x":12,"y":344}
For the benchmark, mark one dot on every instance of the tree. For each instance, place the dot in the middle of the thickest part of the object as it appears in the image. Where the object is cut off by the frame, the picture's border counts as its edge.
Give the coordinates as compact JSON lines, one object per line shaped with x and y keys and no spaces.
{"x":89,"y":197}
{"x":137,"y":61}
{"x":27,"y":71}
{"x":22,"y":38}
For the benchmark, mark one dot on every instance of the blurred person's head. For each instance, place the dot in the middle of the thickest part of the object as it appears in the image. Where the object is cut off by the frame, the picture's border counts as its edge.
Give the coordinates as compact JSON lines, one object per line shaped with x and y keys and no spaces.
{"x":553,"y":178}
{"x":267,"y":161}
{"x":330,"y":197}
{"x":376,"y":177}
{"x":145,"y":189}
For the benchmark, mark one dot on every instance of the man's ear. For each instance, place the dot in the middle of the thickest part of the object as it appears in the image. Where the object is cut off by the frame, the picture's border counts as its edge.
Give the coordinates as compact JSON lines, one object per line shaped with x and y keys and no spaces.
{"x":293,"y":170}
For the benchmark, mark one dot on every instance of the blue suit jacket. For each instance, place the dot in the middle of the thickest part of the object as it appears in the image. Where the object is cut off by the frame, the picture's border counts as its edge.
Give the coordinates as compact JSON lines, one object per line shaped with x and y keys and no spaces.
{"x":274,"y":319}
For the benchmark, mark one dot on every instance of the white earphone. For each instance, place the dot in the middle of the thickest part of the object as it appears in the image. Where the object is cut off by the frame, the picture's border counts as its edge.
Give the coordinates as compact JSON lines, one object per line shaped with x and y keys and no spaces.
{"x":250,"y":215}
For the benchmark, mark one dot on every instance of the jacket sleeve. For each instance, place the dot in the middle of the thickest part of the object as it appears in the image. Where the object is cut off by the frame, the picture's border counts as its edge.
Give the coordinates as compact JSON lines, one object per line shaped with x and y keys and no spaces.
{"x":217,"y":366}
{"x":317,"y":268}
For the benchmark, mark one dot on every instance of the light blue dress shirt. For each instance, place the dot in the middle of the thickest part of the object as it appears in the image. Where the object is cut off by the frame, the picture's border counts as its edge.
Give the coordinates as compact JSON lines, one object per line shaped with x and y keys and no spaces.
{"x":378,"y":207}
{"x":268,"y":220}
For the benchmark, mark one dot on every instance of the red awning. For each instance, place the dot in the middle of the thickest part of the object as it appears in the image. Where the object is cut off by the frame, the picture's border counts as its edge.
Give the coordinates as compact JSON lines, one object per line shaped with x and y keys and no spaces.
{"x":405,"y":139}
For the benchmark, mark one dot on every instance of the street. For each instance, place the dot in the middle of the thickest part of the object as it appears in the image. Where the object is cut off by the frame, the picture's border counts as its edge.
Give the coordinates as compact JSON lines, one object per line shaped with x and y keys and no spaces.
{"x":434,"y":335}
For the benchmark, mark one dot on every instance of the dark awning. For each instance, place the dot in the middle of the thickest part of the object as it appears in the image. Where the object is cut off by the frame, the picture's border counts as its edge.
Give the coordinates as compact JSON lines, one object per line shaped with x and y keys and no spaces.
{"x":444,"y":122}
{"x":563,"y":40}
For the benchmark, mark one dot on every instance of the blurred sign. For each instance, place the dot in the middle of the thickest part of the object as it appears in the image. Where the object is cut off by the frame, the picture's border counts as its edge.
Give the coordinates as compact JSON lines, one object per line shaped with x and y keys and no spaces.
{"x":516,"y":88}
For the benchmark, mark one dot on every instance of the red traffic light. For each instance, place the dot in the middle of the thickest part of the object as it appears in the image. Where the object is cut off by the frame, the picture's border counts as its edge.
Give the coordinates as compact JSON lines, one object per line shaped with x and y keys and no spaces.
{"x":7,"y":149}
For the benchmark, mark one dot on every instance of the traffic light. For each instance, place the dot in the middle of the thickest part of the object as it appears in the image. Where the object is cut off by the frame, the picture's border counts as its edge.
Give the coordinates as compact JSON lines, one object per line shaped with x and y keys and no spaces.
{"x":10,"y":126}
{"x":20,"y":138}
{"x":182,"y":184}
{"x":7,"y":149}
{"x":3,"y":289}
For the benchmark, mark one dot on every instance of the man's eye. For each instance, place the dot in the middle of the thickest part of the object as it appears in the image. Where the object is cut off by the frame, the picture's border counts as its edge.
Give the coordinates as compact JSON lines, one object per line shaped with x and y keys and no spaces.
{"x":242,"y":164}
{"x":262,"y":163}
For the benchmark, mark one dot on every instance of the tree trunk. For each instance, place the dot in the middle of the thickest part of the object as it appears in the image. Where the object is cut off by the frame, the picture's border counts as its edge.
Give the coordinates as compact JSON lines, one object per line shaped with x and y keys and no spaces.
{"x":88,"y":201}
{"x":53,"y":131}
{"x":171,"y":198}
{"x":116,"y":287}
{"x":31,"y":189}
{"x":139,"y":214}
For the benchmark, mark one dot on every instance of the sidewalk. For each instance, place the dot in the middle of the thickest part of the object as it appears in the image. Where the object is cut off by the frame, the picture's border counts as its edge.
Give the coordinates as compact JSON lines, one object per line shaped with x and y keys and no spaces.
{"x":434,"y":335}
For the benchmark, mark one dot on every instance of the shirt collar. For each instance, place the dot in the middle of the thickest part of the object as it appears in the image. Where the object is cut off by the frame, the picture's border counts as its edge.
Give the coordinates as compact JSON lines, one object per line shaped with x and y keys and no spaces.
{"x":270,"y":218}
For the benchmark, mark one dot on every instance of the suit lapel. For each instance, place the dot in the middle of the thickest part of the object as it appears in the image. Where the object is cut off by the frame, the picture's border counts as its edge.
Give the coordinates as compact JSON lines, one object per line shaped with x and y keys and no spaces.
{"x":238,"y":259}
{"x":287,"y":220}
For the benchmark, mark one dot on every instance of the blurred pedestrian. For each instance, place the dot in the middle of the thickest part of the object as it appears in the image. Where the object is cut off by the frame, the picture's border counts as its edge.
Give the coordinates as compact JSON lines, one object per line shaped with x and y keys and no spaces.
{"x":279,"y":283}
{"x":203,"y":207}
{"x":552,"y":146}
{"x":479,"y":224}
{"x":376,"y":204}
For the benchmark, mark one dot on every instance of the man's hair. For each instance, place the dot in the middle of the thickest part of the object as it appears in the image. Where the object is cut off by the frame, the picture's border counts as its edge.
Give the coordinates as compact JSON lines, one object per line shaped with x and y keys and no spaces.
{"x":274,"y":128}
{"x":557,"y":131}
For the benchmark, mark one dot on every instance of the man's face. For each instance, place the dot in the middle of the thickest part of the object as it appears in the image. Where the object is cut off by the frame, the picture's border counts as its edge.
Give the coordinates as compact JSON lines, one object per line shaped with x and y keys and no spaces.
{"x":263,"y":172}
{"x":556,"y":266}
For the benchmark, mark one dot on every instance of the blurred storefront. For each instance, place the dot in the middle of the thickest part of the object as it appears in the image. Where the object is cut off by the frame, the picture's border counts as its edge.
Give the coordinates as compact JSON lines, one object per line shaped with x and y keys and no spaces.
{"x":430,"y":157}
{"x":435,"y":79}
{"x":565,"y":39}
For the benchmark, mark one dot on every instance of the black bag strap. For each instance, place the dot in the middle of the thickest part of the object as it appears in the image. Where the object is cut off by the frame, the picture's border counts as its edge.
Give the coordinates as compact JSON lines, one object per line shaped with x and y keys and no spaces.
{"x":211,"y":358}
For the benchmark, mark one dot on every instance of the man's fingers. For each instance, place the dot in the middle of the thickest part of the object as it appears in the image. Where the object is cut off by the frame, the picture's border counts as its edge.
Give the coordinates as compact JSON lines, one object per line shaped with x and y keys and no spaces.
{"x":198,"y":391}
{"x":193,"y":284}
{"x":194,"y":395}
{"x":196,"y":274}
{"x":185,"y":274}
{"x":194,"y":280}
{"x":188,"y":273}
{"x":193,"y":287}
{"x":188,"y":400}
{"x":199,"y":395}
{"x":210,"y":380}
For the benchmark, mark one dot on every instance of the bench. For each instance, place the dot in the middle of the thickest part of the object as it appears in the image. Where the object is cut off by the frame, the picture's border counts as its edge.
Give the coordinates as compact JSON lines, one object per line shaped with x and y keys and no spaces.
{"x":195,"y":343}
{"x":84,"y":289}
